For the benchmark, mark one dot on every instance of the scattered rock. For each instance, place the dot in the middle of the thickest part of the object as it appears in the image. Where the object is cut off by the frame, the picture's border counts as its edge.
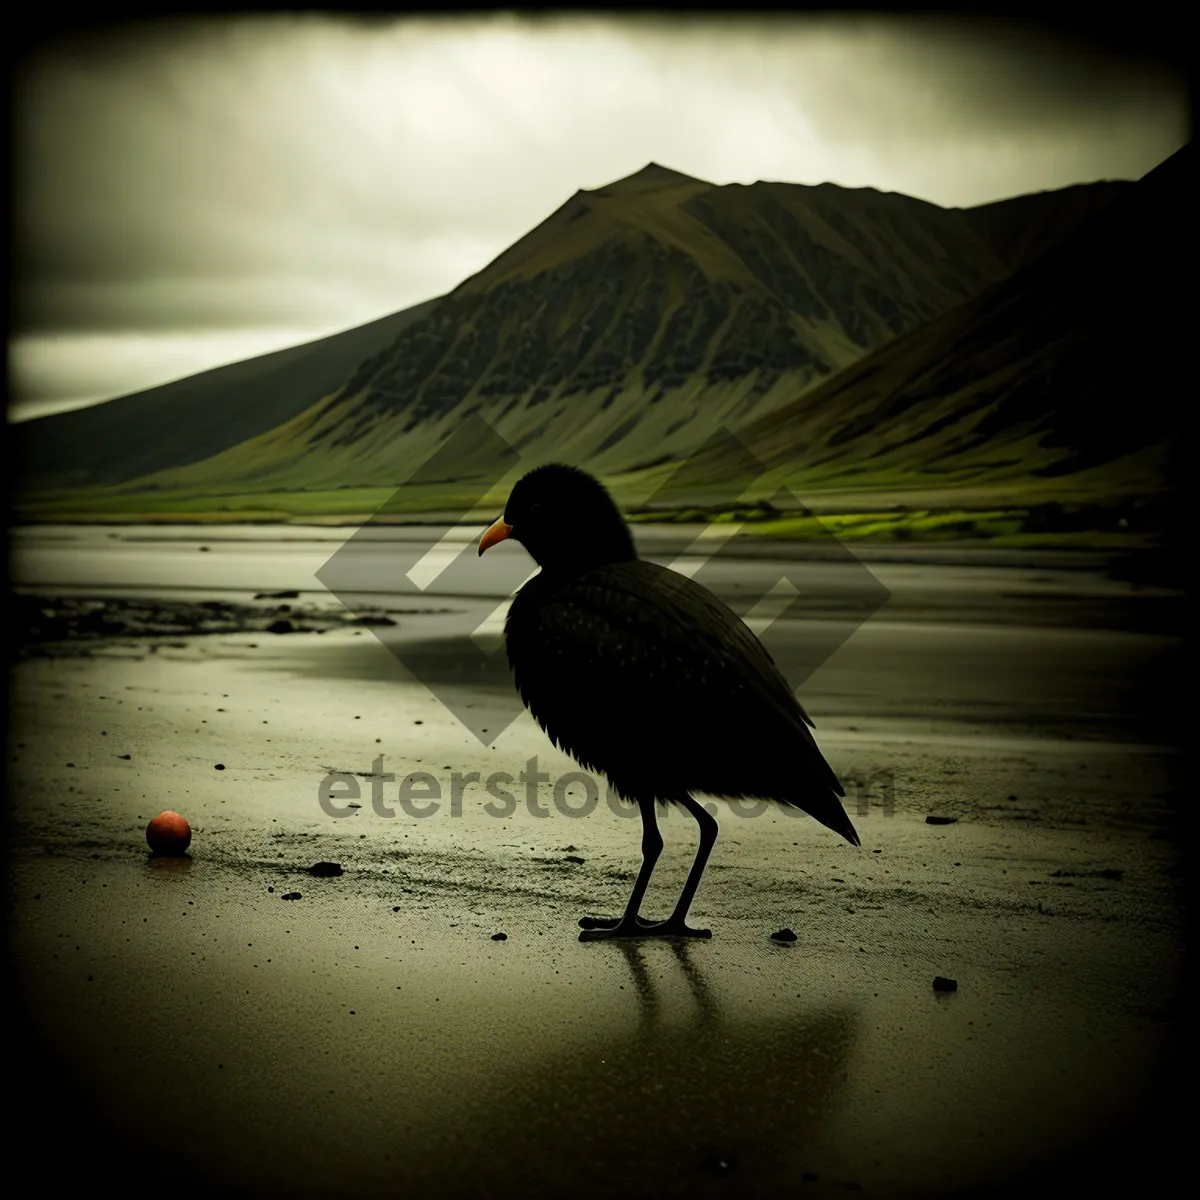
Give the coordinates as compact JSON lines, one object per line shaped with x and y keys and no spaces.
{"x":203,"y":549}
{"x":574,"y":858}
{"x":218,"y":766}
{"x":283,"y":625}
{"x":326,"y":870}
{"x":499,"y":937}
{"x":377,"y":619}
{"x":783,"y":935}
{"x":125,"y":756}
{"x":942,"y":984}
{"x":940,"y":820}
{"x":277,"y":595}
{"x":291,"y":896}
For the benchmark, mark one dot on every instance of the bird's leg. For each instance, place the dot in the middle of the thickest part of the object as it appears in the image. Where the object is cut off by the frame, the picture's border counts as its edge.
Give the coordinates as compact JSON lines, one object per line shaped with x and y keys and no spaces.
{"x":676,"y":924}
{"x":629,"y":925}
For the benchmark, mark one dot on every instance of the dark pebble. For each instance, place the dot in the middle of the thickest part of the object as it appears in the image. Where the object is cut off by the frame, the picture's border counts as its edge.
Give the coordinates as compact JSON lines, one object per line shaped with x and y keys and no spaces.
{"x":283,"y":625}
{"x":783,"y":935}
{"x":270,"y":889}
{"x":125,"y":756}
{"x":499,"y":937}
{"x":219,"y":767}
{"x":942,"y":984}
{"x":291,"y":895}
{"x":575,"y":858}
{"x":277,"y":595}
{"x":326,"y":870}
{"x":940,"y":820}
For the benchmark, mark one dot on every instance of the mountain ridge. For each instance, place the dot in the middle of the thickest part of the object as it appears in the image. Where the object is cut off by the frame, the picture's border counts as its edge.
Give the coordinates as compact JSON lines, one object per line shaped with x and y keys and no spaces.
{"x":623,"y":329}
{"x":1067,"y":367}
{"x":629,"y":322}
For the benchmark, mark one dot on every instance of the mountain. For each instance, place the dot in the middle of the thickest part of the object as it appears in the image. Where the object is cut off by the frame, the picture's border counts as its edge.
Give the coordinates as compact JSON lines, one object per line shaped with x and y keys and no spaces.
{"x":1066,"y":378}
{"x":194,"y":418}
{"x":625,"y":329}
{"x":1022,"y":229}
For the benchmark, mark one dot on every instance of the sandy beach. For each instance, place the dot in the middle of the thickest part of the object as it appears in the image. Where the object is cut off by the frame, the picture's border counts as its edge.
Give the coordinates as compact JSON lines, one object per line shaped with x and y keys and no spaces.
{"x":375,"y":1035}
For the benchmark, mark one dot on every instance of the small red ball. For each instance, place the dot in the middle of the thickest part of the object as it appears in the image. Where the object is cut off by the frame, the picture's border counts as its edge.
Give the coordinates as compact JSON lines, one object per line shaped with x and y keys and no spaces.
{"x":169,"y":833}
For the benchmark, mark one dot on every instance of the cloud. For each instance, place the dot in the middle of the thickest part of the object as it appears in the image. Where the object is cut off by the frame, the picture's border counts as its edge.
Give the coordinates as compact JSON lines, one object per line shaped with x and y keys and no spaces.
{"x":51,"y":373}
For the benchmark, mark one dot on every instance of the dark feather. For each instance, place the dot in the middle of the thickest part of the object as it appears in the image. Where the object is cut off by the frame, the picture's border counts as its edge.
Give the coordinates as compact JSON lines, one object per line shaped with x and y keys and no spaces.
{"x":641,"y":673}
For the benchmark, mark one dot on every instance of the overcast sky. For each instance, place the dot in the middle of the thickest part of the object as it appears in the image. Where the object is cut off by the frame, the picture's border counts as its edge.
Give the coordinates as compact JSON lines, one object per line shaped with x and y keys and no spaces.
{"x":191,"y":193}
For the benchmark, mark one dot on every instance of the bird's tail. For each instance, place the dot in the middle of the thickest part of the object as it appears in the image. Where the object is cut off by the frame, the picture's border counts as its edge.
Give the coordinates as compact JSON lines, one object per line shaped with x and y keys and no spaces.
{"x":841,"y":823}
{"x":829,"y":811}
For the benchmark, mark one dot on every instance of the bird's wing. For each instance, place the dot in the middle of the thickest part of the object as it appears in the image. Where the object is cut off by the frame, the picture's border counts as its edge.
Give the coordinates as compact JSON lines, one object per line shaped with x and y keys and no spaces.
{"x":637,"y":622}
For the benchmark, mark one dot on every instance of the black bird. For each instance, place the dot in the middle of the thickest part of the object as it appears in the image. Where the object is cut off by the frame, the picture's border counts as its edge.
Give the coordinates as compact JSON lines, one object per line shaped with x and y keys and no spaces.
{"x":642,"y":674}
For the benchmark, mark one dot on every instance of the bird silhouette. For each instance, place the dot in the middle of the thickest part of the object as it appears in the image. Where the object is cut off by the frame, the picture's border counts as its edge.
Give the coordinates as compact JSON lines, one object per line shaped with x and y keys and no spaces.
{"x":643,"y":674}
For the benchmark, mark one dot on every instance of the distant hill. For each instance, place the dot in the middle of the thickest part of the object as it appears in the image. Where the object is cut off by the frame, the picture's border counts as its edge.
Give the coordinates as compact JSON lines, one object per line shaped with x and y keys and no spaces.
{"x":622,"y":331}
{"x":194,"y":418}
{"x":1070,"y":372}
{"x":1020,"y":230}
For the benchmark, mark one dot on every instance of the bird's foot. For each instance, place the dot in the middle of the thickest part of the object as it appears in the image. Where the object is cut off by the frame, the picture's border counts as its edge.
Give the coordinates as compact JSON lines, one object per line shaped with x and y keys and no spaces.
{"x":597,"y":929}
{"x":677,"y":927}
{"x":590,"y":922}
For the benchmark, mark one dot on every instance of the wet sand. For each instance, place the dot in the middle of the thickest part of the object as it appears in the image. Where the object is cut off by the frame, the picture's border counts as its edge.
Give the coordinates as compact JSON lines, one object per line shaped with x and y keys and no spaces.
{"x":191,"y":1025}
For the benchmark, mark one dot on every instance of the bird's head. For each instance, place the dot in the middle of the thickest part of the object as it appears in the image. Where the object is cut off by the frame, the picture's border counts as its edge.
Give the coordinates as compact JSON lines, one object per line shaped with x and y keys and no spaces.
{"x":565,"y":519}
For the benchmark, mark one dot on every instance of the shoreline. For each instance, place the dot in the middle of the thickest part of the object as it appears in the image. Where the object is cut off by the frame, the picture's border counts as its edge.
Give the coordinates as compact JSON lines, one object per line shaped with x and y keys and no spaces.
{"x":231,"y":1020}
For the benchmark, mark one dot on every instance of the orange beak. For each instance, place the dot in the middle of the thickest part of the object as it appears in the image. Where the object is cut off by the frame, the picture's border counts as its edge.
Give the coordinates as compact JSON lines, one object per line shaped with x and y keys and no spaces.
{"x":497,"y":532}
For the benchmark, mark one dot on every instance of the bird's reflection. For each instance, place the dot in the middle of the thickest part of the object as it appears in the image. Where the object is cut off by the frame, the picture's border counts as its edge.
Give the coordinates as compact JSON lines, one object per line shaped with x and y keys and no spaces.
{"x":643,"y":983}
{"x":696,"y":1094}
